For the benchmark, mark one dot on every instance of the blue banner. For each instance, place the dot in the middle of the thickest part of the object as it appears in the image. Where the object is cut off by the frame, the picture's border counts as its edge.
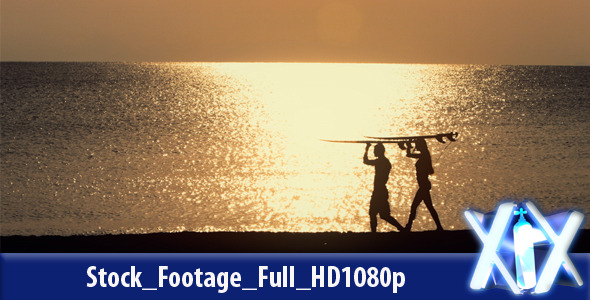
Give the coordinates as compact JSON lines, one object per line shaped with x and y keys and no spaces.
{"x":256,"y":276}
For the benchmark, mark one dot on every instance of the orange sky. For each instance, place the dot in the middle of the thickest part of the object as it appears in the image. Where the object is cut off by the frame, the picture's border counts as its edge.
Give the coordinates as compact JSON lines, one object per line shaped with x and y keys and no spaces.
{"x":382,"y":31}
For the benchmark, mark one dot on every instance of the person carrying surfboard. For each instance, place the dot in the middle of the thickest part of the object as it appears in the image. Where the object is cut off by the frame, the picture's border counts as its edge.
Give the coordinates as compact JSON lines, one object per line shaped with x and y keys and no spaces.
{"x":423,"y":170}
{"x":379,"y":204}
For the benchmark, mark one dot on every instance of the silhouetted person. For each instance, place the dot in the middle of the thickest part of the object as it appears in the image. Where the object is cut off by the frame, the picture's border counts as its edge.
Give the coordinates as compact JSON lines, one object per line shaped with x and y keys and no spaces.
{"x":423,"y":170}
{"x":379,"y":199}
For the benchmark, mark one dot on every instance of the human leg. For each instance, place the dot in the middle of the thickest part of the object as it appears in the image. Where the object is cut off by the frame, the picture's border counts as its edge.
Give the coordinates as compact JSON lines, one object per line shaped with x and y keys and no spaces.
{"x":413,"y":209}
{"x":428,"y":202}
{"x":373,"y":219}
{"x":377,"y":205}
{"x":391,"y":220}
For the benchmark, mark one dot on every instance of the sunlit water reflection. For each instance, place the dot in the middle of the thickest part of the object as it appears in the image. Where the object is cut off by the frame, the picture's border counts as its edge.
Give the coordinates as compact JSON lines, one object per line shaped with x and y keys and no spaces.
{"x":128,"y":148}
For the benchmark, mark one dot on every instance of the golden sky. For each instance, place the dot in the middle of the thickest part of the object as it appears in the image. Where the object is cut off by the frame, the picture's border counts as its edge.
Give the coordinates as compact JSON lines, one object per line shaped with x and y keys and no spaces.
{"x":380,"y":31}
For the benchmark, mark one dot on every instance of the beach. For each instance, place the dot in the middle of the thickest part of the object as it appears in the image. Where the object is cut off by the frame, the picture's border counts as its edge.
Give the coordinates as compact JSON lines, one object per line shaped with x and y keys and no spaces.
{"x":458,"y":241}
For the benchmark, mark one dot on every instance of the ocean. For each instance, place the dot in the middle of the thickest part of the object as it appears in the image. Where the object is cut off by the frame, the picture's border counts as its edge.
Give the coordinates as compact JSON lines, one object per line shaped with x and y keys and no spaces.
{"x":113,"y":148}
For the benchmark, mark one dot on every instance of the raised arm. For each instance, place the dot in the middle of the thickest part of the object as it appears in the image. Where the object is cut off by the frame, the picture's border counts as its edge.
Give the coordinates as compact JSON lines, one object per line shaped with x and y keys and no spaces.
{"x":412,"y":155}
{"x":366,"y":159}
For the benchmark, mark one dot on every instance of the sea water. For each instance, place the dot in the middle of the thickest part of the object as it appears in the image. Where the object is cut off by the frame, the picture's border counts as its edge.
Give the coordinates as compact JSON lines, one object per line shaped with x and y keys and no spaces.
{"x":94,"y":148}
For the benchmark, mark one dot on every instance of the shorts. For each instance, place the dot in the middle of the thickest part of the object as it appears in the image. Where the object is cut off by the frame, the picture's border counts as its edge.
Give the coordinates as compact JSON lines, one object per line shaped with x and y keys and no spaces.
{"x":379,"y":202}
{"x":424,"y":183}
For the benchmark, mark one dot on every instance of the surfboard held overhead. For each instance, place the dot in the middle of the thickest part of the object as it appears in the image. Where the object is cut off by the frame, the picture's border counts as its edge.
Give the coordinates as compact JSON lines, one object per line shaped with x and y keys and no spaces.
{"x":360,"y":141}
{"x":403,"y":141}
{"x":451,"y":136}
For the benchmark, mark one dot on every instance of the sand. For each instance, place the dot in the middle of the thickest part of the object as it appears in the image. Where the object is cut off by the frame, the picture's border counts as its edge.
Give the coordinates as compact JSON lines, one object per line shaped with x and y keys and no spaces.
{"x":458,"y":241}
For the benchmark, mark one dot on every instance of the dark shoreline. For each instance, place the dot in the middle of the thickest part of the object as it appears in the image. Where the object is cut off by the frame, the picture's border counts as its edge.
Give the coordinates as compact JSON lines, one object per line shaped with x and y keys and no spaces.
{"x":458,"y":241}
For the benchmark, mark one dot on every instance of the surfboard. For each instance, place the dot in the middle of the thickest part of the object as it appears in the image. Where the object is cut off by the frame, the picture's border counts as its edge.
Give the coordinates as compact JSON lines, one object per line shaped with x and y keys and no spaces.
{"x":451,"y":136}
{"x":402,"y":141}
{"x":362,"y":141}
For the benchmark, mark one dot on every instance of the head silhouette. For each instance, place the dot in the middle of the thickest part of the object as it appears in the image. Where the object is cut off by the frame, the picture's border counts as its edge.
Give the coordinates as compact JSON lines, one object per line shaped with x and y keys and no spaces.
{"x":379,"y":150}
{"x":421,"y":145}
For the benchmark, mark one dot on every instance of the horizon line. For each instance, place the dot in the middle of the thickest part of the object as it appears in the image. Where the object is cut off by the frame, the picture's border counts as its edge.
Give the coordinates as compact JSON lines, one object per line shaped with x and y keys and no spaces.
{"x":291,"y":62}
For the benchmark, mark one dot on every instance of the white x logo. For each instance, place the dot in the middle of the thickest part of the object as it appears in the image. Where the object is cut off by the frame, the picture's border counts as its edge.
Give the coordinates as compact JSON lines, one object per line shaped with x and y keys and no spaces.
{"x":492,"y":240}
{"x":491,"y":243}
{"x":558,"y":254}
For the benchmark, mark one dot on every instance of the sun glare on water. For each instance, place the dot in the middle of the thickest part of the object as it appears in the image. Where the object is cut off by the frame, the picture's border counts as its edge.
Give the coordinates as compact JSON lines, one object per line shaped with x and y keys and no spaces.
{"x":163,"y":147}
{"x":304,"y":103}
